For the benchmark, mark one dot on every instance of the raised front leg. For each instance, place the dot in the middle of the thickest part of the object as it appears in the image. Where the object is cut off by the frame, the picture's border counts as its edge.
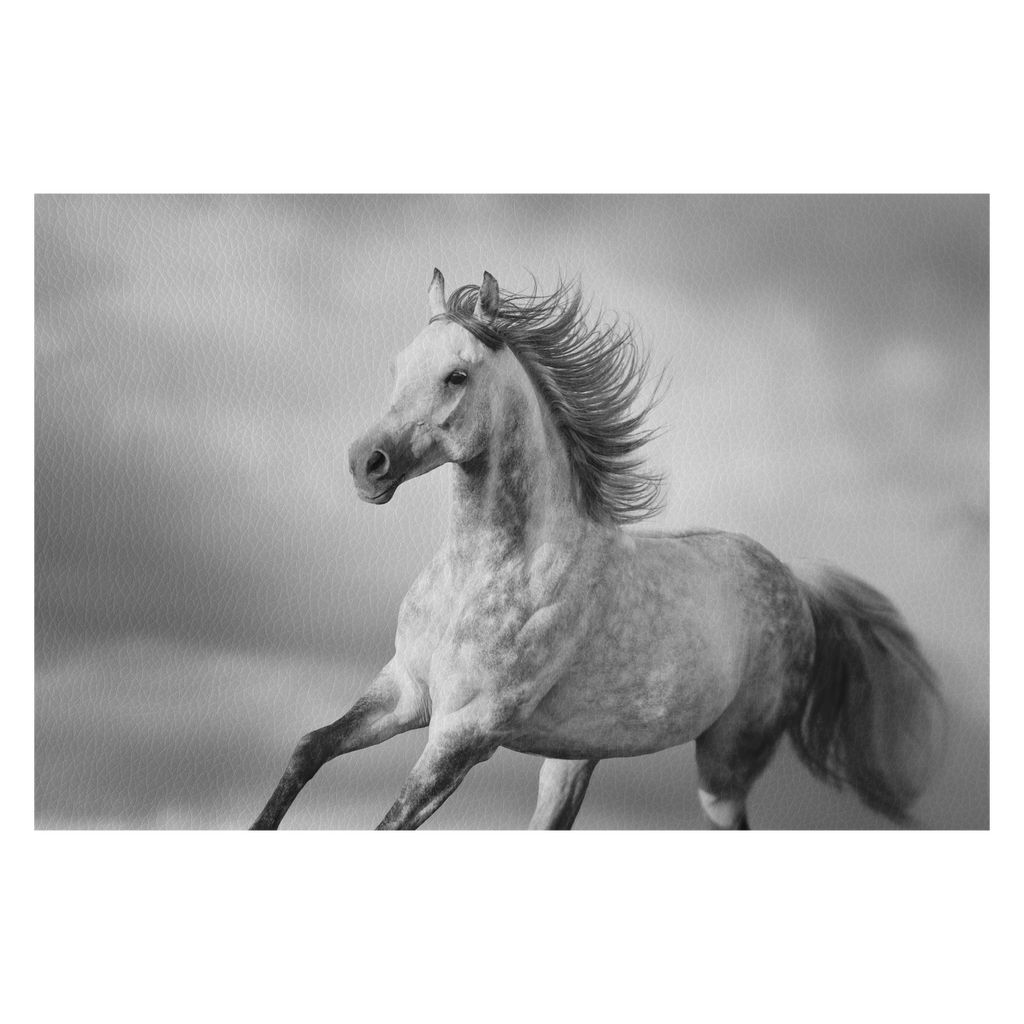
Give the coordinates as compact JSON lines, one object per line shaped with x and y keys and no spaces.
{"x":563,"y":785}
{"x":383,"y":711}
{"x":444,"y":763}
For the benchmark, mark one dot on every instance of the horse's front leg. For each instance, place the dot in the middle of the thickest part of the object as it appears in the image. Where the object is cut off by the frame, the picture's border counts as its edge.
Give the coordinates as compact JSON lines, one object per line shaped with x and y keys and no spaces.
{"x":449,"y":754}
{"x":563,"y":785}
{"x":386,"y":709}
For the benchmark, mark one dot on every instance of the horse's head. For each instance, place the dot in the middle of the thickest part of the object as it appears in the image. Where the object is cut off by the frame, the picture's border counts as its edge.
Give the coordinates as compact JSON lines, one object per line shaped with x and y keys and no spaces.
{"x":442,"y":406}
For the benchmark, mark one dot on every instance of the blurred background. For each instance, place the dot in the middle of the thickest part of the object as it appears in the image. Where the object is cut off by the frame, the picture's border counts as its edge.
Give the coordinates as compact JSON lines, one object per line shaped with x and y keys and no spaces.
{"x":209,"y":588}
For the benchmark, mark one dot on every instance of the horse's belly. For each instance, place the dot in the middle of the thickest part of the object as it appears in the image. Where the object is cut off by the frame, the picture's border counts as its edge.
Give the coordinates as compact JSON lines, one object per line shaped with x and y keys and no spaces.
{"x":593,"y":713}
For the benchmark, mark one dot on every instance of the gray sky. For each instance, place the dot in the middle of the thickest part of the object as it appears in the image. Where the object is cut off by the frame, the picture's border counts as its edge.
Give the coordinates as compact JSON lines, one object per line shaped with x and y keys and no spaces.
{"x":207,"y":578}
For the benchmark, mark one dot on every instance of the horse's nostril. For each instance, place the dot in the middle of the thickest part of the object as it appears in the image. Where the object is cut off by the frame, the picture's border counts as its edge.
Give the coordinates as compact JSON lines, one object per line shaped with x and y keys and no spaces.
{"x":377,"y":464}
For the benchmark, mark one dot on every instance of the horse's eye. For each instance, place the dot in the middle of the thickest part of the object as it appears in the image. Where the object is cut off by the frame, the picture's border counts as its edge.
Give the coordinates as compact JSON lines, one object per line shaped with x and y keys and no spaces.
{"x":457,"y":378}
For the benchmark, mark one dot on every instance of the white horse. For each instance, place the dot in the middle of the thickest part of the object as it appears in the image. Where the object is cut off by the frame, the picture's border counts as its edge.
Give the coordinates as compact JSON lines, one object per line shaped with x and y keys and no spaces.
{"x":541,"y":625}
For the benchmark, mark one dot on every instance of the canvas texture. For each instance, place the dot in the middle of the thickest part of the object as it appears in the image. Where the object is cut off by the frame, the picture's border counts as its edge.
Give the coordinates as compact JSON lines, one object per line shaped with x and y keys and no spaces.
{"x":209,"y":588}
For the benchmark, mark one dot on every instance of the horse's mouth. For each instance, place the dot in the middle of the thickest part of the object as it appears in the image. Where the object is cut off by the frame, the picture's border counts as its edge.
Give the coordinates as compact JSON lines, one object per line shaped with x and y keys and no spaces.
{"x":382,"y":498}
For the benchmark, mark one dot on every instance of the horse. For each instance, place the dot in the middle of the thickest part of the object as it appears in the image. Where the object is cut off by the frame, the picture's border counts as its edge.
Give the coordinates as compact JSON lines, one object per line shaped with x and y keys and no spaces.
{"x":544,"y":625}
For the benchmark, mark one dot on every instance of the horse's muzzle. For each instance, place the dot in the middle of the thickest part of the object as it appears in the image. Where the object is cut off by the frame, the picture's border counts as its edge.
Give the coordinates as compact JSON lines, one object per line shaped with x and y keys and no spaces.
{"x":378,"y":464}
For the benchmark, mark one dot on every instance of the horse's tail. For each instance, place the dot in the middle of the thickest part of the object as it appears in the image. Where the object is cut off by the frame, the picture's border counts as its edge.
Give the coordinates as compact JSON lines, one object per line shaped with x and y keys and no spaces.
{"x":872,"y":716}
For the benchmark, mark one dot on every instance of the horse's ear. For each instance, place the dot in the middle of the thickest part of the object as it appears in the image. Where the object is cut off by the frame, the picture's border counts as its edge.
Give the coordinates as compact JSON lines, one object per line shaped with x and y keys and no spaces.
{"x":487,"y":303}
{"x":435,"y":294}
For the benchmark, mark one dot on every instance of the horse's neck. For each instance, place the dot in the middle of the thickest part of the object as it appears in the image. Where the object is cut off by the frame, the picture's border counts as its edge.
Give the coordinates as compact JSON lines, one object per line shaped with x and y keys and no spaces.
{"x":518,"y":494}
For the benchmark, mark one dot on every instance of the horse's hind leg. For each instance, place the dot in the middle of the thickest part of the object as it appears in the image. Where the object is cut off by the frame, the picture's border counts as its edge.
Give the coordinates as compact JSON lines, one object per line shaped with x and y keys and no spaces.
{"x":383,"y":711}
{"x":731,"y":755}
{"x":563,"y":785}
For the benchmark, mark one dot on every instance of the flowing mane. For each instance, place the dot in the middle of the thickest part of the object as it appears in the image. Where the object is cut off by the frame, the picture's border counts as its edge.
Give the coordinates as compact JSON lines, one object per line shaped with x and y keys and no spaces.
{"x":590,"y":376}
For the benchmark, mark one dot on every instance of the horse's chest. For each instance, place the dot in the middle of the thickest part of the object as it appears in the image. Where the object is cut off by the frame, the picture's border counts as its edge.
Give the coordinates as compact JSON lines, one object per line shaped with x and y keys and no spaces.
{"x":422,"y":621}
{"x":457,"y":631}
